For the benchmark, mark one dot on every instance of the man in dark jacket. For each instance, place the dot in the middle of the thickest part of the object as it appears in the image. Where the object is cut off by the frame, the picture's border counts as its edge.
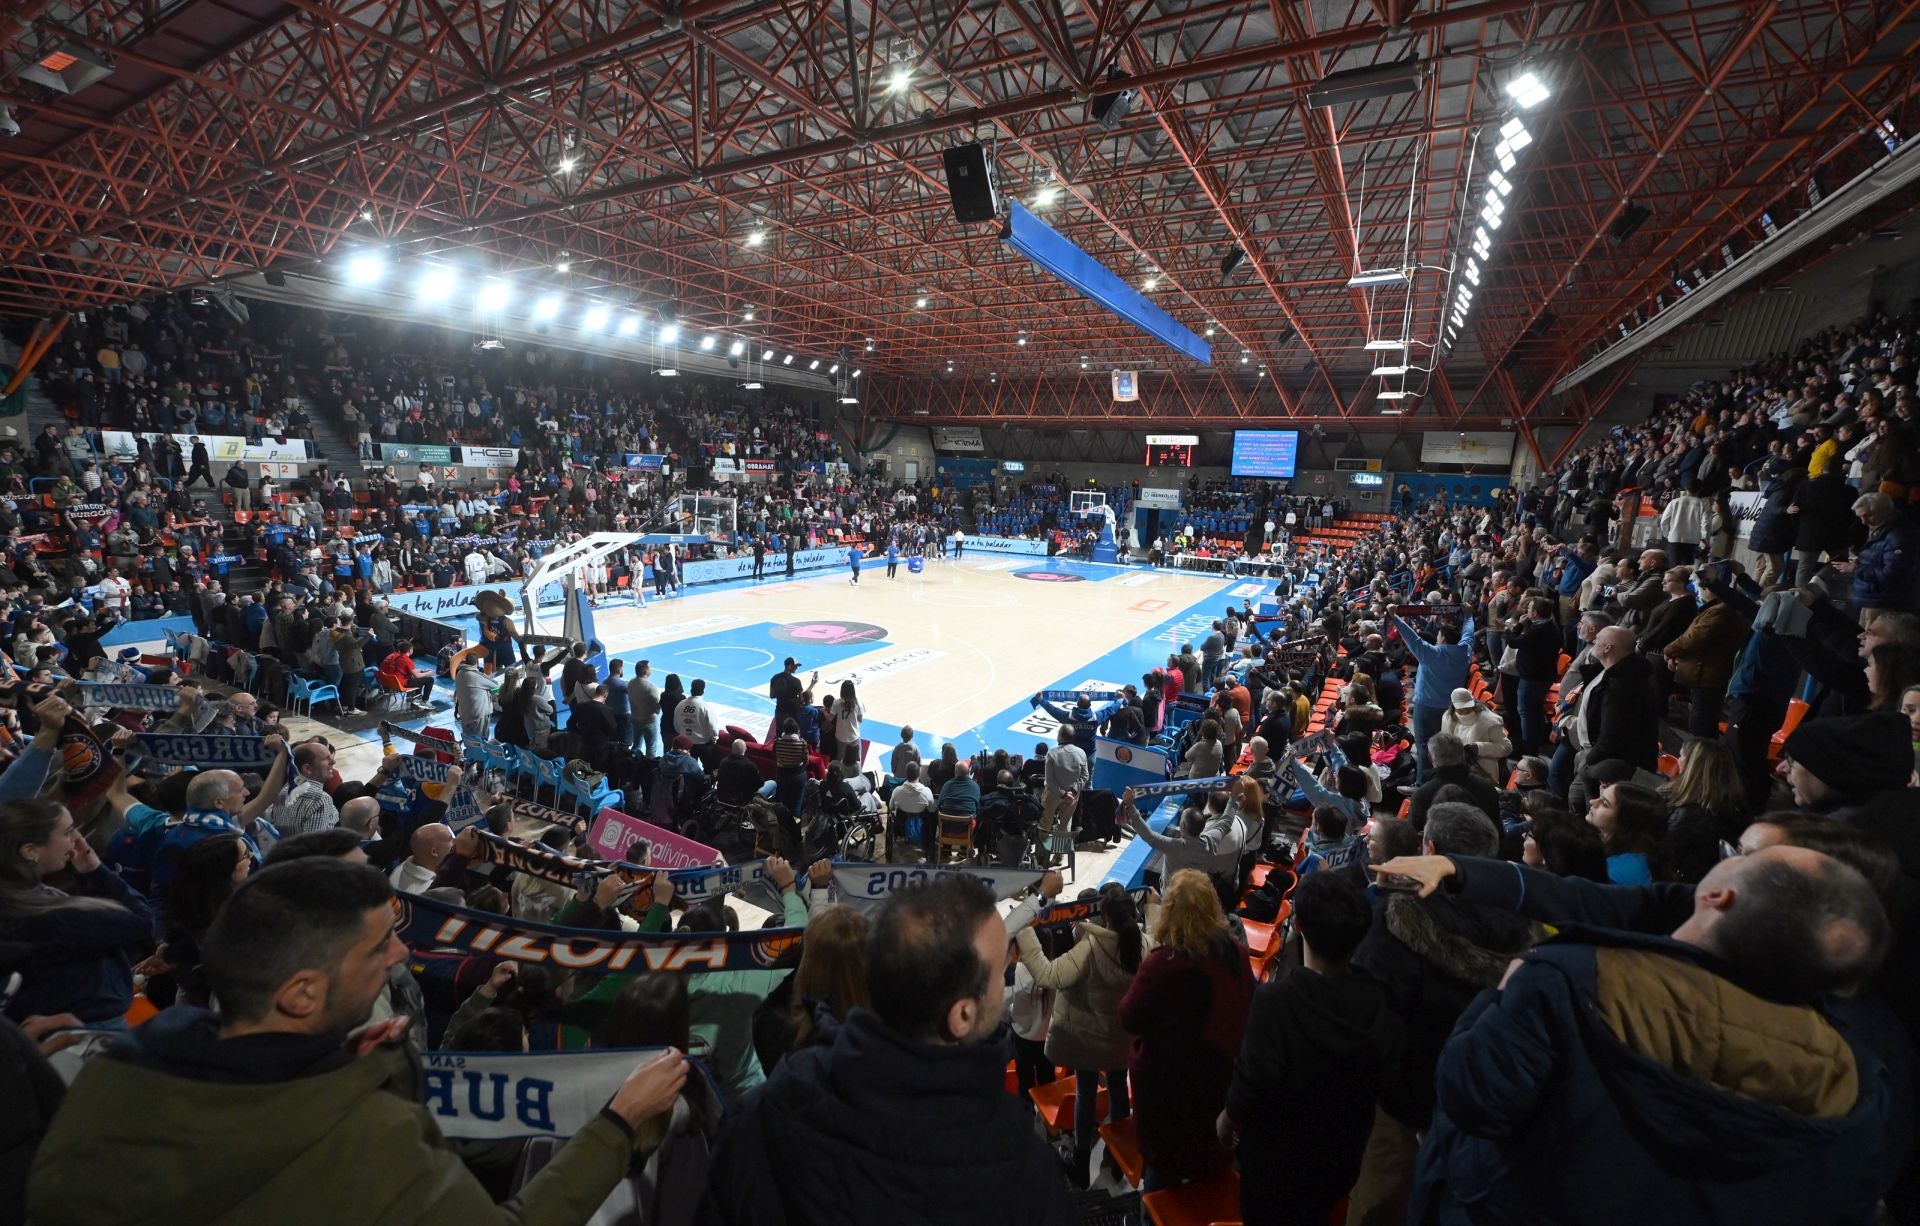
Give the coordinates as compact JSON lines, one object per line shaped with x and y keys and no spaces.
{"x":1319,"y":1045}
{"x":592,"y":721}
{"x":1886,"y":571}
{"x":904,"y":1117}
{"x":1450,"y":765}
{"x":1823,"y":522}
{"x":1618,"y":705}
{"x":1585,"y":1067}
{"x":1431,"y":956}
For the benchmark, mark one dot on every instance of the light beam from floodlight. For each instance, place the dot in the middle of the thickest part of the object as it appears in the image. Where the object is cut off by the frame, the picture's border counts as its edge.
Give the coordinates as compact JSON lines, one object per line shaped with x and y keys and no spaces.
{"x":493,"y":297}
{"x":596,"y":319}
{"x":368,"y":269}
{"x":547,"y":308}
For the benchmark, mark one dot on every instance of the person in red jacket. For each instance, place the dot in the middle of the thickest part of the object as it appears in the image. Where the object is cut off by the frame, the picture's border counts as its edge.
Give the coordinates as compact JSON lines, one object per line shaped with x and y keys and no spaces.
{"x":1187,"y":1010}
{"x":398,"y":672}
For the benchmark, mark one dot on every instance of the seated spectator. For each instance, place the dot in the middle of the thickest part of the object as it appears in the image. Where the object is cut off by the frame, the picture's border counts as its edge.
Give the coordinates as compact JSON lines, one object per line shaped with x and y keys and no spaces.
{"x":1332,"y":843}
{"x":1320,"y":1045}
{"x":1481,"y":732}
{"x":1565,"y":846}
{"x":69,"y":945}
{"x":1708,"y":807}
{"x":815,"y":1000}
{"x":1187,"y":1008}
{"x":738,"y":780}
{"x":904,"y":1116}
{"x":296,"y":959}
{"x":1632,"y":822}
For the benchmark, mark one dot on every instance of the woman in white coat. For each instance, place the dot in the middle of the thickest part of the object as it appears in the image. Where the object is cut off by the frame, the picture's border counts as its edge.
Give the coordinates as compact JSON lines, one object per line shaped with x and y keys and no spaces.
{"x":1481,"y":731}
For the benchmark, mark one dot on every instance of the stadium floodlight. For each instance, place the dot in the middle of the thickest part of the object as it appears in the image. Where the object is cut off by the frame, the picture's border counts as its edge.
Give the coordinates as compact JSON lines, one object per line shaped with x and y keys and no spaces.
{"x":1527,"y":91}
{"x":849,"y":400}
{"x":1504,"y":156}
{"x":667,"y":372}
{"x":596,"y":318}
{"x":1045,"y":196}
{"x":1472,"y":271}
{"x":756,"y":237}
{"x":1500,"y":183}
{"x":546,"y":308}
{"x":921,"y":303}
{"x":834,"y":369}
{"x":630,"y":326}
{"x":766,"y":355}
{"x":1491,"y":216}
{"x":706,"y":342}
{"x":902,"y":78}
{"x":435,"y":286}
{"x":368,"y":269}
{"x":669,"y":334}
{"x":568,"y":163}
{"x":787,"y":361}
{"x":1384,"y":345}
{"x":1022,"y":338}
{"x":856,"y":374}
{"x":814,"y":365}
{"x":736,"y":349}
{"x":1374,"y":278}
{"x":746,"y":317}
{"x":753,"y":385}
{"x":493,"y":296}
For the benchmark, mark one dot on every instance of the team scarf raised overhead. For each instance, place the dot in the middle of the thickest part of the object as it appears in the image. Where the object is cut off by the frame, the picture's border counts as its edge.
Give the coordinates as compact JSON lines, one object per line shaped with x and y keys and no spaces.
{"x":499,"y":1096}
{"x":428,"y":924}
{"x":865,"y":886}
{"x":207,"y":750}
{"x":128,"y":697}
{"x":1181,"y":787}
{"x":1058,"y":697}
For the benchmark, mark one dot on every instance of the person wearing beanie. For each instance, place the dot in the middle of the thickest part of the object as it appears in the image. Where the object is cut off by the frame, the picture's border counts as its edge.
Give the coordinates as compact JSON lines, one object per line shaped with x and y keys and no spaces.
{"x":1840,"y":766}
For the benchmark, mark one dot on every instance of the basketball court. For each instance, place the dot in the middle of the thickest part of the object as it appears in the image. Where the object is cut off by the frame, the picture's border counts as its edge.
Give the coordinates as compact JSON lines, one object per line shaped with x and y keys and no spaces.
{"x":955,"y":651}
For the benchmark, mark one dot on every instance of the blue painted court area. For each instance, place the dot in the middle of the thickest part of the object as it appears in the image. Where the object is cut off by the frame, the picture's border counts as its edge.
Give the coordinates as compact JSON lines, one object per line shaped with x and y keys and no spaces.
{"x":738,"y":652}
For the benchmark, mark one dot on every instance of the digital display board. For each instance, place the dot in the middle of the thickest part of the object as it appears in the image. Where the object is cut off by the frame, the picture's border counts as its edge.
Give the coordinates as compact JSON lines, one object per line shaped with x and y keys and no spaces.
{"x":1169,"y":455}
{"x":1265,"y":453}
{"x":1366,"y":480}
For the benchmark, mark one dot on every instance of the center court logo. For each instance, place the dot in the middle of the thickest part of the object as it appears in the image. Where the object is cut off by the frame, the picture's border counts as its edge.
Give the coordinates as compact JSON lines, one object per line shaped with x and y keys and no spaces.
{"x":1046,"y":576}
{"x":829,"y":633}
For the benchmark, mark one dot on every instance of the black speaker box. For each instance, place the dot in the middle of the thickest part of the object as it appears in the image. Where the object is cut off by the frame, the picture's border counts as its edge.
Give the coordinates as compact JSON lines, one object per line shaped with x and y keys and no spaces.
{"x":1631,"y":219}
{"x":970,"y":183}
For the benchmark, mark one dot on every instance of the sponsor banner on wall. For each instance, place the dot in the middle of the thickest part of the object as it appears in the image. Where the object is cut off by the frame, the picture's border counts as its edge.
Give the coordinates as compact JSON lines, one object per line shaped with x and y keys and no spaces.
{"x":441,"y":603}
{"x":279,"y":471}
{"x":415,"y":453}
{"x":726,"y":464}
{"x":1152,"y":499}
{"x":1486,"y":448}
{"x":225,"y":448}
{"x":489,"y":457}
{"x":721,"y":569}
{"x":758,"y":466}
{"x":957,"y":438}
{"x":646,"y":463}
{"x":615,"y":835}
{"x":1007,"y":544}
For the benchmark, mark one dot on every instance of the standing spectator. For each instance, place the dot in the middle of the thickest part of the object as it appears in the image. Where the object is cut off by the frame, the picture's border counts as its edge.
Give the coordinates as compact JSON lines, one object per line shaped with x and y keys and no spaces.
{"x":1187,"y":1007}
{"x":473,"y":704}
{"x":1684,"y":524}
{"x":1481,"y":732}
{"x":644,"y":698}
{"x":297,"y":959}
{"x":1886,"y":571}
{"x":1432,"y":956}
{"x":306,"y":806}
{"x":1320,"y":1045}
{"x":1067,"y":773}
{"x":1822,"y":523}
{"x":846,"y":726}
{"x":1088,"y":982}
{"x":904,"y":1117}
{"x":1443,"y":669}
{"x":1604,"y":1038}
{"x":1702,"y":658}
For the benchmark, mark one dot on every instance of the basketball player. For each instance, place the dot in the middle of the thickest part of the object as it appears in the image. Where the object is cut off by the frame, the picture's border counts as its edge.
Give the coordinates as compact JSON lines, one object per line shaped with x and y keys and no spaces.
{"x":853,"y":565}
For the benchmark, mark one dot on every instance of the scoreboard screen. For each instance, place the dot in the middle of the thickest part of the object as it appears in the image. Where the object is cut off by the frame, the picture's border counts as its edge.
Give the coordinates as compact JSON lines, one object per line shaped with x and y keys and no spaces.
{"x":1265,"y":453}
{"x":1171,"y":450}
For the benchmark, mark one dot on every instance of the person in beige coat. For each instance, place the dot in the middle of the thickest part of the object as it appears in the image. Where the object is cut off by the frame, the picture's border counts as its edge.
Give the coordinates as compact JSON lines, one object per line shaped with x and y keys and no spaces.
{"x":1088,"y":981}
{"x":1482,"y":731}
